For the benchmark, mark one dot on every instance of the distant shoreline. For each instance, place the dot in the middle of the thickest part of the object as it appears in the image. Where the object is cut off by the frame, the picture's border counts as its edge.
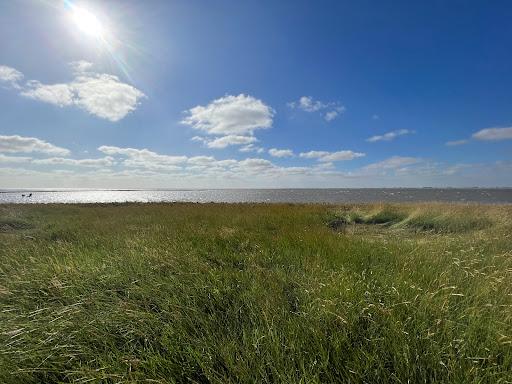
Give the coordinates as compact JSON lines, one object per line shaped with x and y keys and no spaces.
{"x":12,"y":190}
{"x":300,"y":196}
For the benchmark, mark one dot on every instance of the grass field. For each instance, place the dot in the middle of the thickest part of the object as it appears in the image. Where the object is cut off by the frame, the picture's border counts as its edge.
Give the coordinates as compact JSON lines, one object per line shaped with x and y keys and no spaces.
{"x":217,"y":293}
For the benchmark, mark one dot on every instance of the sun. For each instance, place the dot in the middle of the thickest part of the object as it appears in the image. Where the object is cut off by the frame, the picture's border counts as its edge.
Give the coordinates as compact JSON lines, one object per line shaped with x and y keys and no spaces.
{"x":87,"y":22}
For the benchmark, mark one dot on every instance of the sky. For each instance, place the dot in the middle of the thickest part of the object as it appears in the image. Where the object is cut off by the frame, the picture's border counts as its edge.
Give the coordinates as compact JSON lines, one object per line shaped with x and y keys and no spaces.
{"x":255,"y":94}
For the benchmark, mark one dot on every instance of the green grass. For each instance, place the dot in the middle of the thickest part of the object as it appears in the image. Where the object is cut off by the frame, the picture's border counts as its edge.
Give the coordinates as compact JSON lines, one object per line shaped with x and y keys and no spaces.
{"x":217,"y":293}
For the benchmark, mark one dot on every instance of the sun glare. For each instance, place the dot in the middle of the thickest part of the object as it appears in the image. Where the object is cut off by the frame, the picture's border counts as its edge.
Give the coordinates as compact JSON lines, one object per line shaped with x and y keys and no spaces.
{"x":87,"y":22}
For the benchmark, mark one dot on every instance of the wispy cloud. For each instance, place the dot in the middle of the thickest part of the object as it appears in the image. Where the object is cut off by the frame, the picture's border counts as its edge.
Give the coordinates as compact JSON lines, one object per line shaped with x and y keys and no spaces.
{"x":57,"y":94}
{"x":127,"y":167}
{"x":494,"y":134}
{"x":274,"y":152}
{"x":331,"y":115}
{"x":10,"y":76}
{"x":393,"y":163}
{"x":456,"y":142}
{"x":325,"y":156}
{"x":142,"y":157}
{"x":21,"y":144}
{"x":225,"y":141}
{"x":389,"y":135}
{"x":81,"y":66}
{"x":252,"y":148}
{"x":100,"y":94}
{"x":14,"y":159}
{"x":486,"y":134}
{"x":203,"y":166}
{"x":329,"y":110}
{"x":107,"y":161}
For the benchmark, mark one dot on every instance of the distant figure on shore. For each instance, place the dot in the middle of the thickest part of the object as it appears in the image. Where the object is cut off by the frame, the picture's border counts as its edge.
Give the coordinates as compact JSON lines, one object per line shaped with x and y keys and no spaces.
{"x":29,"y":195}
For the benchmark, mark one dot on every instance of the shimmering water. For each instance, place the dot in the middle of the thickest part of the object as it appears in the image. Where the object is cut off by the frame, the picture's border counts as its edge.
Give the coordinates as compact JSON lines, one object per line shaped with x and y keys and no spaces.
{"x":479,"y":195}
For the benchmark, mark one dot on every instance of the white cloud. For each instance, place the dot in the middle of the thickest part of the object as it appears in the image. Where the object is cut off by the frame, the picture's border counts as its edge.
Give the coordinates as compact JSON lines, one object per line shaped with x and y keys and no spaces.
{"x":57,"y":94}
{"x":202,"y":166}
{"x":494,"y":134}
{"x":248,"y":148}
{"x":143,"y":158}
{"x":280,"y":152}
{"x":252,"y":148}
{"x":81,"y":66}
{"x":10,"y":76}
{"x":330,"y":110}
{"x":456,"y":142}
{"x":230,"y":115}
{"x":226,"y":163}
{"x":308,"y":104}
{"x":254,"y":165}
{"x":205,"y":171}
{"x":341,"y":156}
{"x":328,"y":165}
{"x":22,"y":144}
{"x":331,"y":115}
{"x":201,"y":160}
{"x":199,"y":139}
{"x":325,"y":156}
{"x":257,"y":174}
{"x":314,"y":154}
{"x":454,"y":169}
{"x":105,"y":96}
{"x":393,"y":163}
{"x":100,"y":94}
{"x":225,"y":141}
{"x":14,"y":159}
{"x":389,"y":135}
{"x":107,"y":161}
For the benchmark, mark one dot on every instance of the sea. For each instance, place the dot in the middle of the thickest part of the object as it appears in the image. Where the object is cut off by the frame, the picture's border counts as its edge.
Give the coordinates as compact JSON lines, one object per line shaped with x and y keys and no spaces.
{"x":327,"y":196}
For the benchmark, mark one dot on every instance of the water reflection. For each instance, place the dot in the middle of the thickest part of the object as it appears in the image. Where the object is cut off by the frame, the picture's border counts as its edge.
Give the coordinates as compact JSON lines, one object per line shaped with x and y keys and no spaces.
{"x":259,"y":195}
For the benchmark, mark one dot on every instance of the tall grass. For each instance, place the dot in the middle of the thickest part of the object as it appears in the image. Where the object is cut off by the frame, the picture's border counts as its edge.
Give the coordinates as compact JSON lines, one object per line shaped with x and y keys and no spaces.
{"x":175,"y":293}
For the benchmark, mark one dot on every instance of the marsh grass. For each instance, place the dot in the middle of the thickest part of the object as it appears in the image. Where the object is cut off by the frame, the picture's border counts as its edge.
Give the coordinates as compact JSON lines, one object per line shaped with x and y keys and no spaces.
{"x":216,"y":293}
{"x":421,"y":217}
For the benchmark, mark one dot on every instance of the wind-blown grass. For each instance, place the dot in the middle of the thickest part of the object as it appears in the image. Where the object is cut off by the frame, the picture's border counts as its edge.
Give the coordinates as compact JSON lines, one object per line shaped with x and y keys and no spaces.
{"x":217,"y":293}
{"x":422,"y":217}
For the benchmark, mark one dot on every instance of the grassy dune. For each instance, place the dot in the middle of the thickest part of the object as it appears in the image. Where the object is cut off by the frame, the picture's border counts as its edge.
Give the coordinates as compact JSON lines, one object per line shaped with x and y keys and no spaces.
{"x":218,"y":293}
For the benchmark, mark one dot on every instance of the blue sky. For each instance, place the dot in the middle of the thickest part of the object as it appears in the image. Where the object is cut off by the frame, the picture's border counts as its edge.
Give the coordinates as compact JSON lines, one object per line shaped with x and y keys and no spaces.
{"x":193,"y":94}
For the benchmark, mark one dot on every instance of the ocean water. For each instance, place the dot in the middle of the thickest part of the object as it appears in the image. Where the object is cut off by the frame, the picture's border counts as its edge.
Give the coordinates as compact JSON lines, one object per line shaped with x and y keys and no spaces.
{"x":352,"y":195}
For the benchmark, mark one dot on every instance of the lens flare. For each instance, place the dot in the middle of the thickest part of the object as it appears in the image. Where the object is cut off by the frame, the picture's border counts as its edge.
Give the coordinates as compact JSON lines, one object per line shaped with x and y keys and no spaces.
{"x":99,"y":32}
{"x":87,"y":22}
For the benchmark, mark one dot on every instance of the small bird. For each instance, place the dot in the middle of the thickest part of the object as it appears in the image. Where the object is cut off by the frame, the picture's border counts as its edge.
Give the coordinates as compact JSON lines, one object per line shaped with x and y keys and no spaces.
{"x":22,"y":195}
{"x":30,"y":195}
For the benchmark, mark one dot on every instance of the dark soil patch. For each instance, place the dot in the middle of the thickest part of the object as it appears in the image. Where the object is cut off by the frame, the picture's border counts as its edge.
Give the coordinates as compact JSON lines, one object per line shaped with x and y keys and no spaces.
{"x":11,"y":225}
{"x":337,"y":224}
